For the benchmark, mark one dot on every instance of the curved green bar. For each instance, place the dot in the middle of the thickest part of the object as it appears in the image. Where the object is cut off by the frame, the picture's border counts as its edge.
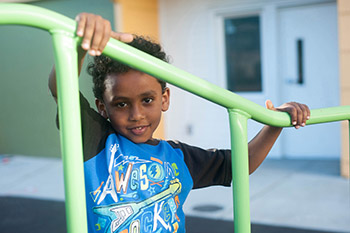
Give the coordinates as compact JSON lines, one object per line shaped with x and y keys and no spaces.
{"x":21,"y":14}
{"x":240,"y":109}
{"x":33,"y":16}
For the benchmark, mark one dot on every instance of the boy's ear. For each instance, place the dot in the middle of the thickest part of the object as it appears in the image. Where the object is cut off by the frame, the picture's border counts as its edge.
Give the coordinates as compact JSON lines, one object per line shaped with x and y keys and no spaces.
{"x":101,"y":107}
{"x":165,"y":99}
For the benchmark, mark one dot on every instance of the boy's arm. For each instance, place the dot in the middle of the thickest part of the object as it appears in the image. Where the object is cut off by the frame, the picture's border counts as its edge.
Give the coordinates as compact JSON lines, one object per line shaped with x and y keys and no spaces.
{"x":95,"y":32}
{"x":262,"y":143}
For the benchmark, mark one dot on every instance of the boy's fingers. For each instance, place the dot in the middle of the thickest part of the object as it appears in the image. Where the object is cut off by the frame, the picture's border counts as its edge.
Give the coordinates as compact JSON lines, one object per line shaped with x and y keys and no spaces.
{"x":105,"y":37}
{"x":303,"y":114}
{"x":292,"y":111}
{"x":88,"y":33}
{"x":96,"y":33}
{"x":300,"y":114}
{"x":97,"y":37}
{"x":269,"y":105}
{"x":81,"y":19}
{"x":123,"y":37}
{"x":306,"y":113}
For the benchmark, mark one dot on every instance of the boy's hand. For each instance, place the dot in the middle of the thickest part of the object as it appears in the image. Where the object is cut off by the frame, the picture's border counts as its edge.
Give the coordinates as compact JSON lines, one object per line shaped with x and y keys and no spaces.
{"x":96,"y":32}
{"x":299,"y":113}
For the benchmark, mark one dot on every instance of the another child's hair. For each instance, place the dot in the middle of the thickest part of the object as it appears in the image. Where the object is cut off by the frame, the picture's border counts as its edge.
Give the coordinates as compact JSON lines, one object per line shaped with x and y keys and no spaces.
{"x":103,"y":65}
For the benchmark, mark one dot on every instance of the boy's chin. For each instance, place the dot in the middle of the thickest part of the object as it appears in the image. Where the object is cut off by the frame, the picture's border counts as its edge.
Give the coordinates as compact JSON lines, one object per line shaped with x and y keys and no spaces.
{"x":139,"y":140}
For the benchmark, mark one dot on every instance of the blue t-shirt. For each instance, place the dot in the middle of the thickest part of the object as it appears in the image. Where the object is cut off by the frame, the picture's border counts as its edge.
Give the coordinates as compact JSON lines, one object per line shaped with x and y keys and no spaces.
{"x":138,"y":187}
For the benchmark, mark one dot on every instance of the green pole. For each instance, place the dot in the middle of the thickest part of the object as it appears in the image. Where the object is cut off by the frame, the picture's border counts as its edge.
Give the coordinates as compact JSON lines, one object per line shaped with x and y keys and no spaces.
{"x":240,"y":170}
{"x":70,"y":130}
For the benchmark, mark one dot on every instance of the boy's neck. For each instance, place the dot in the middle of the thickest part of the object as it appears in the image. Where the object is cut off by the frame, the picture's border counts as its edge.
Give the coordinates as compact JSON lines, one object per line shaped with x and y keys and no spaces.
{"x":152,"y":142}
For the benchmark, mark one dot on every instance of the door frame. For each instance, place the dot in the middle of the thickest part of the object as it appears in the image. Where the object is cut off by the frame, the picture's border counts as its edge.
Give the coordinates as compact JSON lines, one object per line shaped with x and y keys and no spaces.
{"x":269,"y":34}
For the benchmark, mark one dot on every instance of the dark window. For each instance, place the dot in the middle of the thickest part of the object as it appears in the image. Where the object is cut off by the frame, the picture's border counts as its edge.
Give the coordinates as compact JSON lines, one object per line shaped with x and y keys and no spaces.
{"x":243,"y":63}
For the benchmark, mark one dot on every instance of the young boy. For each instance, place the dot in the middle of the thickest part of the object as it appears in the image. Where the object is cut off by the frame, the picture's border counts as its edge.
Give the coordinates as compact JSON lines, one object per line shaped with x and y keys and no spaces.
{"x":135,"y":183}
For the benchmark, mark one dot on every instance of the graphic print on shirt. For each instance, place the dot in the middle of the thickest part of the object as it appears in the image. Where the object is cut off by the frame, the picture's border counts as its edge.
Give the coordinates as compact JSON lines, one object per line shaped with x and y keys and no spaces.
{"x":143,"y":193}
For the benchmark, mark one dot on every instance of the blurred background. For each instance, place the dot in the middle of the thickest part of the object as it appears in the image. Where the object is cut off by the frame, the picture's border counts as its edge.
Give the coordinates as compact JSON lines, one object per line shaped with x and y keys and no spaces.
{"x":283,"y":50}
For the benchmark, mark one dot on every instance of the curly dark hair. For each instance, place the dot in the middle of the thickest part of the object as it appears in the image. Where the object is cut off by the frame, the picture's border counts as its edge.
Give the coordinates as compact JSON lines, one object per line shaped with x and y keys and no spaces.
{"x":103,"y":65}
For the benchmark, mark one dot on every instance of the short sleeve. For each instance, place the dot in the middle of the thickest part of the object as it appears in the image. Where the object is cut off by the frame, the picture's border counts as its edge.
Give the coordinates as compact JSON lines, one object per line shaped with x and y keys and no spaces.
{"x":95,"y":129}
{"x":207,"y":167}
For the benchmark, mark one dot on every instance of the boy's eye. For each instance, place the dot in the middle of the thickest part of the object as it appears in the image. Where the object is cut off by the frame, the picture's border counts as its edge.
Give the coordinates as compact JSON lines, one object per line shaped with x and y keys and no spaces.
{"x":148,"y":100}
{"x":121,"y":105}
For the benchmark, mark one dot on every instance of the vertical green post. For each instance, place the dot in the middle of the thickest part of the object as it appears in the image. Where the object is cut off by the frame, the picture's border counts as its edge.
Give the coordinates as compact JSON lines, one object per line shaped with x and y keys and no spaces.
{"x":240,"y":170}
{"x":70,"y":130}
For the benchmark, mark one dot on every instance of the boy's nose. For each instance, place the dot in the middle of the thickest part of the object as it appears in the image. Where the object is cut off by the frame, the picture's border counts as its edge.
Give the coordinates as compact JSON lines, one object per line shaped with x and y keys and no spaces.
{"x":136,"y":113}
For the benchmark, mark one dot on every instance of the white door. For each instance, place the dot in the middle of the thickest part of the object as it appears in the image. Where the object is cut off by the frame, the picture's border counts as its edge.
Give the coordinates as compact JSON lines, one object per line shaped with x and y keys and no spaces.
{"x":308,"y":73}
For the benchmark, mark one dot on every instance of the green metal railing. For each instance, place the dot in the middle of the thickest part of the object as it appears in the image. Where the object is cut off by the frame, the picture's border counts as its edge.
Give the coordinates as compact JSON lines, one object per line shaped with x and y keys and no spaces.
{"x":239,"y":109}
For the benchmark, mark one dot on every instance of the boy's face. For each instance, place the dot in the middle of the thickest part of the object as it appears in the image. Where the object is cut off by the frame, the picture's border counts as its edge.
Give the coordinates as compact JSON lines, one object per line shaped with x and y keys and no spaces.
{"x":133,"y":102}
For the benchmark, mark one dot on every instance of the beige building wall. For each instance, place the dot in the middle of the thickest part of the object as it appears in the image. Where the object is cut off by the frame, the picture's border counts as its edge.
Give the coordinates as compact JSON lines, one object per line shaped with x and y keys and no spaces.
{"x":344,"y":63}
{"x":139,"y":17}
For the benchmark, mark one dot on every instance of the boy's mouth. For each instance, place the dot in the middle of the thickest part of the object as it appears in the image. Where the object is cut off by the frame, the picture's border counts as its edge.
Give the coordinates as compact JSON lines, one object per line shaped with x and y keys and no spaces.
{"x":139,"y":129}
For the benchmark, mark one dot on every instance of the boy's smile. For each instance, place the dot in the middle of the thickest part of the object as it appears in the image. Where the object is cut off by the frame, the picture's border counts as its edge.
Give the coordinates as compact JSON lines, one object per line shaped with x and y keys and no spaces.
{"x":133,"y":102}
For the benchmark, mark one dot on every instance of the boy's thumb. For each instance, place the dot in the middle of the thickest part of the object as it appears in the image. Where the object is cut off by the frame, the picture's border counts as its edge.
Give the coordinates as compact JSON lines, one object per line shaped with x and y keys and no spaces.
{"x":269,"y":105}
